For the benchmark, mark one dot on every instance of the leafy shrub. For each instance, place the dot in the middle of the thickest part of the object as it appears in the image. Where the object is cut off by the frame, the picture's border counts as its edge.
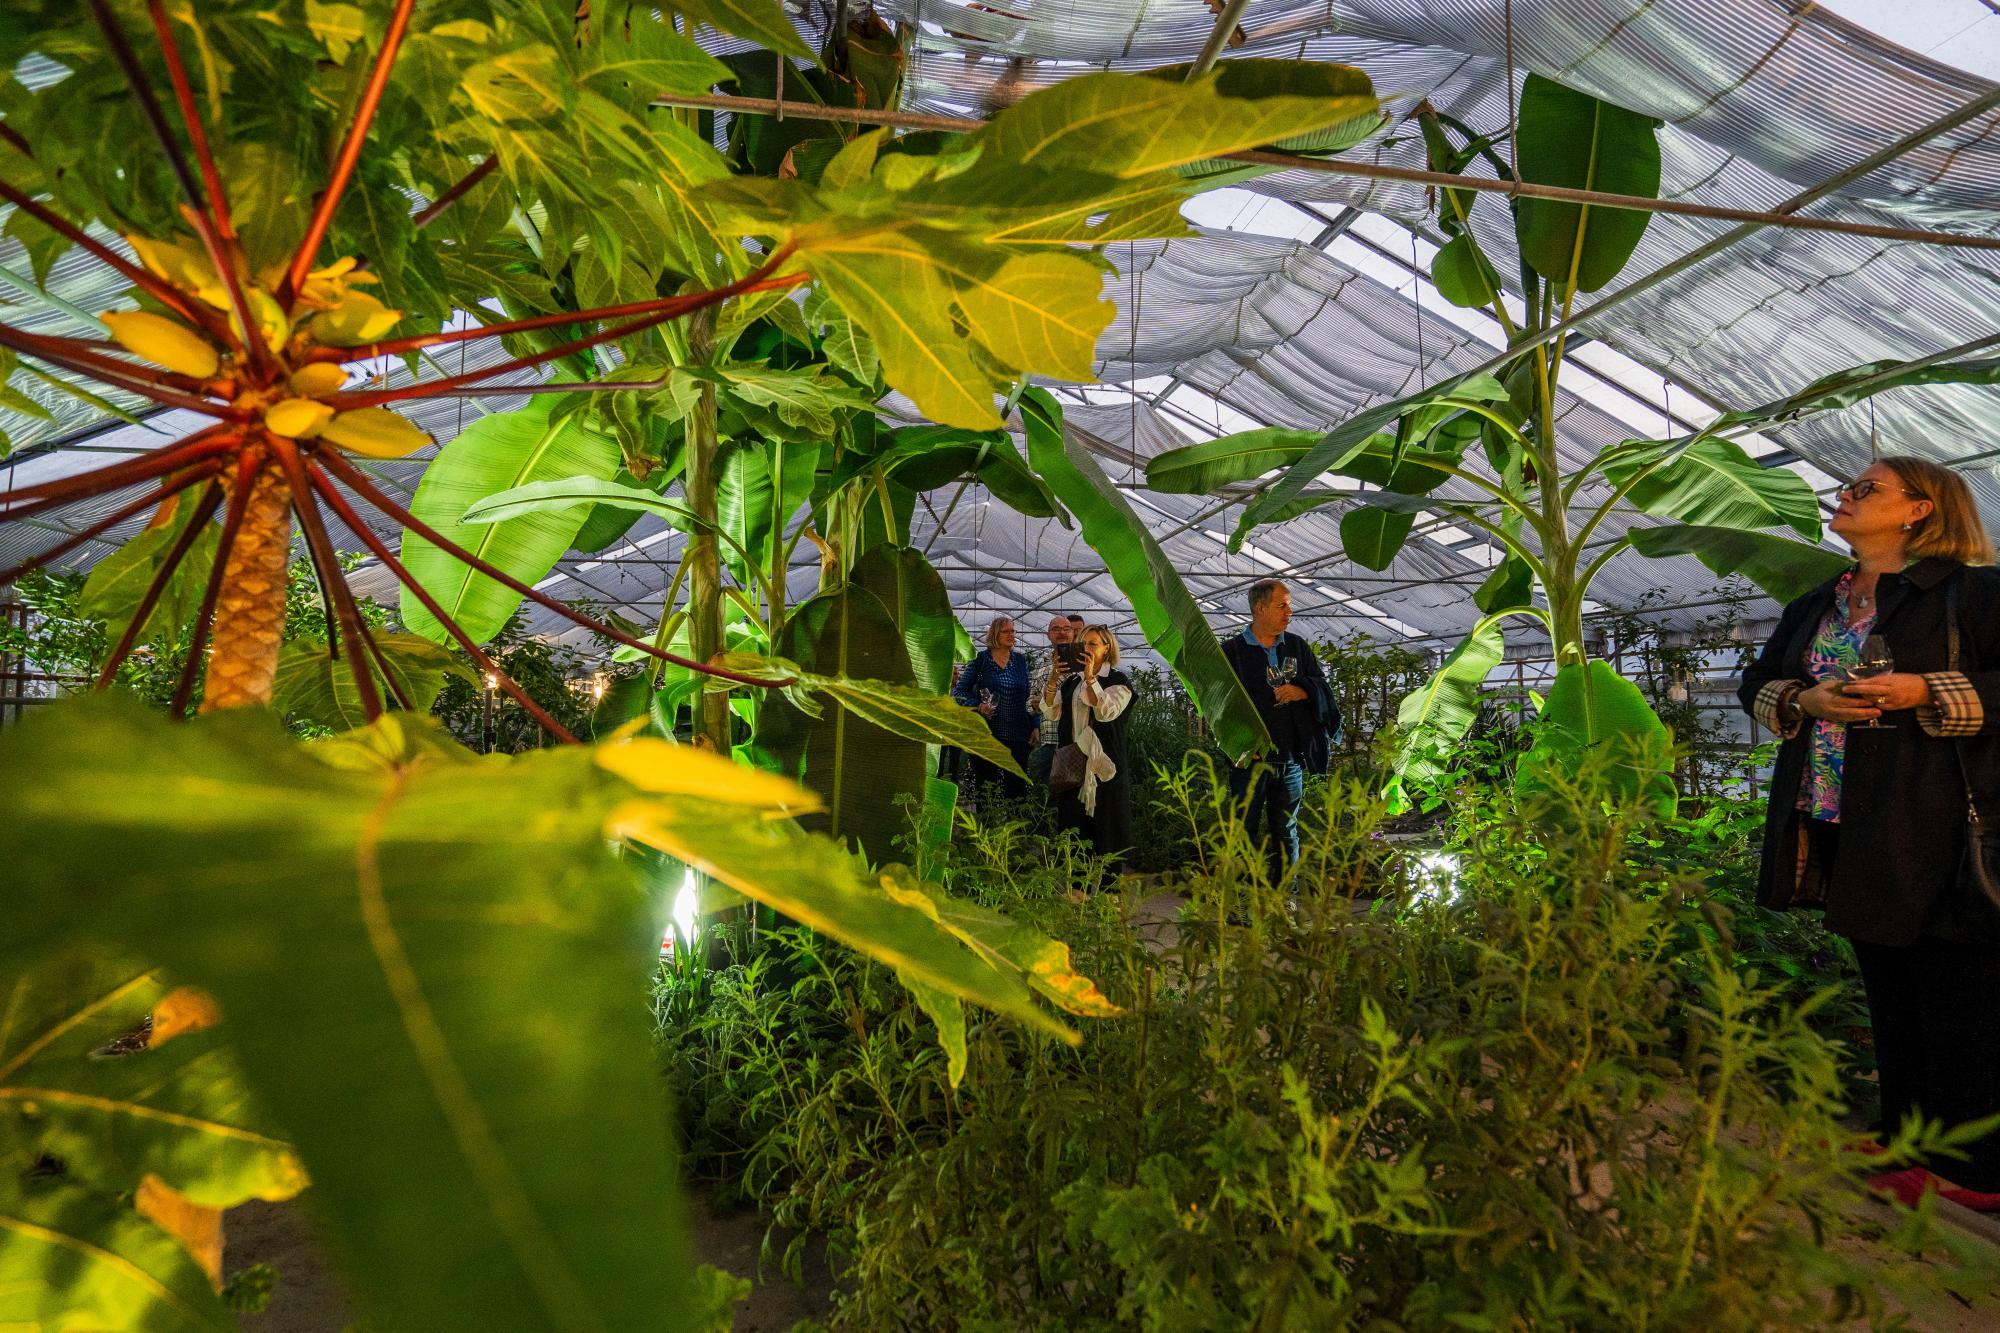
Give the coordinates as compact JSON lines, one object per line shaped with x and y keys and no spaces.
{"x":1463,"y":1093}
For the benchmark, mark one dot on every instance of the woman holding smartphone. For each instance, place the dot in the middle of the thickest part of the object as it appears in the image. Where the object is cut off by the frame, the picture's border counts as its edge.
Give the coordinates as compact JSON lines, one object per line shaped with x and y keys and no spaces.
{"x":1885,"y":685}
{"x":1089,"y":706}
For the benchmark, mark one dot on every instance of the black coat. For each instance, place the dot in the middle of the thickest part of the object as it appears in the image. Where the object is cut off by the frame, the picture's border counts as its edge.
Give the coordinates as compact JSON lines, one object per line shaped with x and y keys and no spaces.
{"x":1315,"y":754}
{"x":1896,"y":877}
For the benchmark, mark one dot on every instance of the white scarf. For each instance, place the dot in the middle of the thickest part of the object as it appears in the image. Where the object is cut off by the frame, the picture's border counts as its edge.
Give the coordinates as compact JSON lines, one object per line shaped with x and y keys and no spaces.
{"x":1108,"y":702}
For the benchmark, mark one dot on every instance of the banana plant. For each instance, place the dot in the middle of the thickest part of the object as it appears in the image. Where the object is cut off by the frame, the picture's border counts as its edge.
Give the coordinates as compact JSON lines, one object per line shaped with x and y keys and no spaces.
{"x":1548,"y":519}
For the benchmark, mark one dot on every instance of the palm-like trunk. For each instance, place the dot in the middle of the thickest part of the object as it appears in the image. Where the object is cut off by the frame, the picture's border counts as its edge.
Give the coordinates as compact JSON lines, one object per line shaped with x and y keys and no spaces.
{"x":250,"y":609}
{"x":704,"y":563}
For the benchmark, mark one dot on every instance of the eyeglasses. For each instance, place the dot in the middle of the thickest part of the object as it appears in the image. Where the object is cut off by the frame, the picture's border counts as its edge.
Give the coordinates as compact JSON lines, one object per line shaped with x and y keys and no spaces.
{"x":1861,"y":490}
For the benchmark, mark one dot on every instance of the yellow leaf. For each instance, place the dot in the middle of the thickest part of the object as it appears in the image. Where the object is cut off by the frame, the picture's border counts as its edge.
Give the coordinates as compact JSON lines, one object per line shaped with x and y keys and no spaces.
{"x":318,"y":379}
{"x":297,"y":418}
{"x":665,"y":769}
{"x":185,"y":266}
{"x":163,"y":342}
{"x":375,"y":432}
{"x":183,"y":1009}
{"x":198,"y":1229}
{"x":1040,"y":313}
{"x":359,"y":318}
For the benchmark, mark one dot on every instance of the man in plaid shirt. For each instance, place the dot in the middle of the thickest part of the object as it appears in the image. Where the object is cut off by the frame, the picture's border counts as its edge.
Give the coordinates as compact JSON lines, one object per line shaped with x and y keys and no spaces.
{"x":1060,"y":632}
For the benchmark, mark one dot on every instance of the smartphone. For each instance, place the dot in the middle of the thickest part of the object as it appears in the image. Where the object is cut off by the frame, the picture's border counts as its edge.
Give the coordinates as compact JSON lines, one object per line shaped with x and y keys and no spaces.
{"x":1070,"y":656}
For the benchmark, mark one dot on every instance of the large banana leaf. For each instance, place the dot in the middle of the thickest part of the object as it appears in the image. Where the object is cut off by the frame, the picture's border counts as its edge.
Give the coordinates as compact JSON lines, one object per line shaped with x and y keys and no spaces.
{"x":1780,"y":566}
{"x":1203,"y":469}
{"x":313,"y":687}
{"x":1575,"y":140}
{"x":493,"y":454}
{"x":863,"y":772}
{"x":1167,"y":614}
{"x":1853,"y":385}
{"x":916,"y":599}
{"x":1433,"y":718}
{"x":1353,"y":436}
{"x":927,"y":457}
{"x":1594,"y":716}
{"x":569,"y":493}
{"x":1713,"y":483}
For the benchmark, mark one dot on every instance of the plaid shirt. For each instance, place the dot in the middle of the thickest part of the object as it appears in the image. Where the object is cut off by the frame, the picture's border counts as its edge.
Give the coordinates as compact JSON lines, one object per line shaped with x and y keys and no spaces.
{"x":1038,"y":680}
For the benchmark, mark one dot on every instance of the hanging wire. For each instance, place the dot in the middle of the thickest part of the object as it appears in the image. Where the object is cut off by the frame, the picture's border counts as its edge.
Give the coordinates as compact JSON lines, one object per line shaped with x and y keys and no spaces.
{"x":1417,"y":296}
{"x":1874,"y":441}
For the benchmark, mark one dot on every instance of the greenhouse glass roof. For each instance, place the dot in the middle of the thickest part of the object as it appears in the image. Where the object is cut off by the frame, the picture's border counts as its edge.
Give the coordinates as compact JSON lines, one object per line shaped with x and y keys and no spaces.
{"x":1305,"y":295}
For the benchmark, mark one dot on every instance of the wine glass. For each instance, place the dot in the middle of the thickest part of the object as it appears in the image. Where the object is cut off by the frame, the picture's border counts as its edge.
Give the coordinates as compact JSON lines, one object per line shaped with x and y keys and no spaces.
{"x":1875,"y":660}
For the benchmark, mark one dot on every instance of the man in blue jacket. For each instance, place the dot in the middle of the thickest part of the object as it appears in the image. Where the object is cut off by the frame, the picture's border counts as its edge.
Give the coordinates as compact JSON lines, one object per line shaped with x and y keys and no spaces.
{"x":1284,"y":679}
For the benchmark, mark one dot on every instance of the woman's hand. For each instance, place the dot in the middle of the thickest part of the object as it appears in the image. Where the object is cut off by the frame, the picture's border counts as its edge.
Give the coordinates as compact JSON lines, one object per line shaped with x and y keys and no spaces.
{"x":1892,"y":693}
{"x":1093,"y":659}
{"x":1829,"y":701}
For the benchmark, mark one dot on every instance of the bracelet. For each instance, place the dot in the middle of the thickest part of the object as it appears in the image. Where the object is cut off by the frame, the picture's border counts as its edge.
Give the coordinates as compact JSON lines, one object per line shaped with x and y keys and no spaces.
{"x":1788,"y":709}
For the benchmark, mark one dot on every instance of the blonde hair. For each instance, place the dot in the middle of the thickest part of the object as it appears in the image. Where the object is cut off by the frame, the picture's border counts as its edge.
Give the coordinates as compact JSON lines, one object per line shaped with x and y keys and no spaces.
{"x":1110,"y":641}
{"x":993,"y":630}
{"x":1953,"y":529}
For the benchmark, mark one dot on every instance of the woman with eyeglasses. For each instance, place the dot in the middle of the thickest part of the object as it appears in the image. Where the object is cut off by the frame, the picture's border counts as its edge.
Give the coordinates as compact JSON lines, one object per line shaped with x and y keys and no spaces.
{"x":1885,"y":737}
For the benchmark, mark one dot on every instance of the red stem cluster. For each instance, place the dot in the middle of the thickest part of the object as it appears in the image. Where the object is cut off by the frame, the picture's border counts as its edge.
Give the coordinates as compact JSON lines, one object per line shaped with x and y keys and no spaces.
{"x":227,"y":457}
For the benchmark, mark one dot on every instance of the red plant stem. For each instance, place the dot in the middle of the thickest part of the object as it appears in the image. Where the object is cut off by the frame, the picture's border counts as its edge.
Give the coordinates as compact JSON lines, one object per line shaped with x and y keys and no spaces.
{"x":324,"y":484}
{"x":210,"y":500}
{"x":561,"y":386}
{"x":340,"y":605}
{"x":142,"y":92}
{"x":349,"y":154}
{"x":168,"y":489}
{"x":247,"y":465}
{"x":359,"y":482}
{"x":84,"y":358}
{"x":212,"y":224}
{"x":158,"y":288}
{"x":12,"y":136}
{"x":55,"y":494}
{"x":450,"y":385}
{"x":388,"y":676}
{"x":672,"y":305}
{"x":452,"y":196}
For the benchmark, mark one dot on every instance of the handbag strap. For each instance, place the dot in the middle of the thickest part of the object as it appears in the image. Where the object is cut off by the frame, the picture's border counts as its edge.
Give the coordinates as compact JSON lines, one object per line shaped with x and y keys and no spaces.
{"x":1951,"y":658}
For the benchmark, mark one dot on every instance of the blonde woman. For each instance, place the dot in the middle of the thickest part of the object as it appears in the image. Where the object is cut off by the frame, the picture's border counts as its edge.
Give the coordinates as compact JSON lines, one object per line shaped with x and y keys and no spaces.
{"x":1868,"y":813}
{"x":1089,"y":710}
{"x":996,"y":687}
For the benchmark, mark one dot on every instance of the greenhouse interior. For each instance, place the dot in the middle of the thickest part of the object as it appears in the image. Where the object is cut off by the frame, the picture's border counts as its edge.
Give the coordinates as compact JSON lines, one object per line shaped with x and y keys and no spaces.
{"x":990,"y":665}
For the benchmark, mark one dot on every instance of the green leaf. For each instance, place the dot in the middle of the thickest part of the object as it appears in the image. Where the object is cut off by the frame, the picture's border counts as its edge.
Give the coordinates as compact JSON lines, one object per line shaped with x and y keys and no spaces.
{"x":1125,"y":125}
{"x":927,"y":457}
{"x":1203,"y":469}
{"x":494,"y":454}
{"x":1434,"y":718}
{"x":762,"y":21}
{"x":569,"y":494}
{"x":1168,"y":616}
{"x":1713,"y":483}
{"x":118,"y":582}
{"x":1371,"y":536}
{"x":1572,"y":139}
{"x":313,"y":687}
{"x":915,"y":597}
{"x":820,"y":883}
{"x":73,"y":1259}
{"x":1511,"y":584}
{"x":1594,"y":715}
{"x":843,"y":641}
{"x":483,"y":944}
{"x":642,"y":55}
{"x":846,"y":345}
{"x":806,"y":397}
{"x":1783,"y":568}
{"x":1353,"y":436}
{"x":1853,"y":385}
{"x":948,"y":1013}
{"x":176,"y":1108}
{"x":1462,"y":274}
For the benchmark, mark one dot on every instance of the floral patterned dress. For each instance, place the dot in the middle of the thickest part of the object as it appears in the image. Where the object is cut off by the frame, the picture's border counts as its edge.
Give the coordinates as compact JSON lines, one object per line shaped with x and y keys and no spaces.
{"x":1833,"y":652}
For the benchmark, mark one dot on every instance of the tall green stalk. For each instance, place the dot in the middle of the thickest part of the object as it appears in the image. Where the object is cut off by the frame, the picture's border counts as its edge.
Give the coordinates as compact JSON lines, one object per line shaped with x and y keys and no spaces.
{"x":703,"y":561}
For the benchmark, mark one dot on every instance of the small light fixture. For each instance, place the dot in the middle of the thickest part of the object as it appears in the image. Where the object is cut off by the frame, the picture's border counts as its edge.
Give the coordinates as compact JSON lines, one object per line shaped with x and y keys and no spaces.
{"x":685,"y":903}
{"x":492,"y":682}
